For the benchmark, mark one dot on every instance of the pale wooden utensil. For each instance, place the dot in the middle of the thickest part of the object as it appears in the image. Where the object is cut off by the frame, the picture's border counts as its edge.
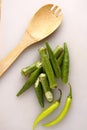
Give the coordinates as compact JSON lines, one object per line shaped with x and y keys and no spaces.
{"x":45,"y":21}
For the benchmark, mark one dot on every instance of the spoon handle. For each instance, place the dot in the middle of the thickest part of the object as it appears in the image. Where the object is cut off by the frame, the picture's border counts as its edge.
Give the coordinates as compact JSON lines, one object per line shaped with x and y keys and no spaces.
{"x":13,"y":55}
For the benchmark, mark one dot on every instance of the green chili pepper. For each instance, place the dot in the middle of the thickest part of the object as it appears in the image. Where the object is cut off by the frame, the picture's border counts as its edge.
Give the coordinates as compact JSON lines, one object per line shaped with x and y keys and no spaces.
{"x":47,"y":67}
{"x":39,"y":92}
{"x":46,"y":88}
{"x":29,"y":69}
{"x":60,"y":59}
{"x":53,"y":60}
{"x":47,"y":111}
{"x":31,"y":80}
{"x":63,"y":112}
{"x":65,"y":65}
{"x":57,"y":51}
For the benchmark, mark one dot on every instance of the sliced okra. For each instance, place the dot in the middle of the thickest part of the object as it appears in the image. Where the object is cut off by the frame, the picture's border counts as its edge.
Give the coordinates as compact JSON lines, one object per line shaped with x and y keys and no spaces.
{"x":29,"y":69}
{"x":47,"y":67}
{"x":46,"y":88}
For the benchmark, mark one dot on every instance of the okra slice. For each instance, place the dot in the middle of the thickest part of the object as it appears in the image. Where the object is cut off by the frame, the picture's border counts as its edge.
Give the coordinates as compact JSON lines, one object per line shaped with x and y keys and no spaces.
{"x":60,"y":59}
{"x":53,"y":60}
{"x":58,"y":50}
{"x":46,"y":88}
{"x":39,"y":92}
{"x":30,"y":81}
{"x":29,"y":69}
{"x":47,"y":67}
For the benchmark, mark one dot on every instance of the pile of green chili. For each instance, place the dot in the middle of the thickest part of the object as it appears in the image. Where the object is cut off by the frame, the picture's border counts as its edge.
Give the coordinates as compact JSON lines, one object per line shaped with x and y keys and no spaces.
{"x":43,"y":74}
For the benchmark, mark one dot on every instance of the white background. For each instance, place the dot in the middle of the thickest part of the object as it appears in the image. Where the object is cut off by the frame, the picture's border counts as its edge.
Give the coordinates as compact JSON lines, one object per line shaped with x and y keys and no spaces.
{"x":19,"y":113}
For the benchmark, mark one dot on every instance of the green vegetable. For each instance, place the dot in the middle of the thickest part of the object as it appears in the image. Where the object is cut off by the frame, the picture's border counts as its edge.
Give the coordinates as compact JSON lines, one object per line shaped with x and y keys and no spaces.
{"x":60,"y":59}
{"x":65,"y":65}
{"x":53,"y":60}
{"x":39,"y":92}
{"x":57,"y":51}
{"x":31,"y":80}
{"x":46,"y":88}
{"x":47,"y":111}
{"x":63,"y":112}
{"x":29,"y":69}
{"x":48,"y":68}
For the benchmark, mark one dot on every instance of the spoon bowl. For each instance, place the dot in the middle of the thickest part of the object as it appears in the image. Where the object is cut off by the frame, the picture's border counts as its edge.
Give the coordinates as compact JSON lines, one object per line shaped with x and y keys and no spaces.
{"x":44,"y":22}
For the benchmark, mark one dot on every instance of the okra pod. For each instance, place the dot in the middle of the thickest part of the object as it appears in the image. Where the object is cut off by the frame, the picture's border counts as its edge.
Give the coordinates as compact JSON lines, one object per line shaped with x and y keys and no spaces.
{"x":29,"y":69}
{"x":30,"y":81}
{"x":53,"y":60}
{"x":48,"y":68}
{"x":60,"y":59}
{"x":57,"y":51}
{"x":39,"y":92}
{"x":65,"y":65}
{"x":46,"y":88}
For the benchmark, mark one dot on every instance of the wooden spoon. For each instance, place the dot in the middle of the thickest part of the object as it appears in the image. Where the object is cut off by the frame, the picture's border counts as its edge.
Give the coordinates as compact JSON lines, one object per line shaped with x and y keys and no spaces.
{"x":45,"y":21}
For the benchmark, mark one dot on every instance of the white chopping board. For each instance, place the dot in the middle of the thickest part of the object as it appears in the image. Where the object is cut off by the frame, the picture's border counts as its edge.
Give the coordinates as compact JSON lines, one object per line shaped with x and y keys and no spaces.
{"x":19,"y":113}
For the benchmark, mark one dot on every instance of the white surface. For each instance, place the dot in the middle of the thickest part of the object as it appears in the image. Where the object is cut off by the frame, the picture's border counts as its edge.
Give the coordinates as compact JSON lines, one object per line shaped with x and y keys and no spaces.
{"x":19,"y":113}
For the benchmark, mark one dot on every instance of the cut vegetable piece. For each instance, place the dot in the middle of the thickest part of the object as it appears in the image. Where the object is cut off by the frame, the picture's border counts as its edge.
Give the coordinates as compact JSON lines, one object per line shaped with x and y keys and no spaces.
{"x":47,"y":67}
{"x":29,"y":69}
{"x":46,"y":88}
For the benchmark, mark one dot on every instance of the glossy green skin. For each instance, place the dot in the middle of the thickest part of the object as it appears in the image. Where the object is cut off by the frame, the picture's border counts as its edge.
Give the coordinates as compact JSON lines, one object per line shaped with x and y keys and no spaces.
{"x":45,"y":113}
{"x":62,"y":114}
{"x":65,"y":65}
{"x":39,"y":92}
{"x":53,"y":60}
{"x":30,"y":81}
